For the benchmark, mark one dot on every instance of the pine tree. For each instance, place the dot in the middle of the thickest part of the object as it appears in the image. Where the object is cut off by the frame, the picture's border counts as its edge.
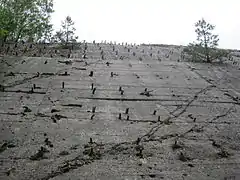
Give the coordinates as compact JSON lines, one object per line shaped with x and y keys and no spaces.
{"x":67,"y":33}
{"x":205,"y":47}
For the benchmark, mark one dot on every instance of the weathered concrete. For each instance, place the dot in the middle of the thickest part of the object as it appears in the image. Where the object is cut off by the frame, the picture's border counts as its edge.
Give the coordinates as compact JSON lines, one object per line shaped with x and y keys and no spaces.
{"x":193,"y":135}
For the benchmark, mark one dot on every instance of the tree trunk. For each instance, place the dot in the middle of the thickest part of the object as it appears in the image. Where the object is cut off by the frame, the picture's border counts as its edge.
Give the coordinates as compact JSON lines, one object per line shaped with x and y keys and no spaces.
{"x":206,"y":48}
{"x":18,"y":36}
{"x":208,"y":59}
{"x":5,"y":39}
{"x":67,"y":34}
{"x":207,"y":54}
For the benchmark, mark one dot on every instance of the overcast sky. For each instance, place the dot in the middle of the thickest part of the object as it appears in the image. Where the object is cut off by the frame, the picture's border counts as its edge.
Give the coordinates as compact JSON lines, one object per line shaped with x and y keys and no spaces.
{"x":150,"y":21}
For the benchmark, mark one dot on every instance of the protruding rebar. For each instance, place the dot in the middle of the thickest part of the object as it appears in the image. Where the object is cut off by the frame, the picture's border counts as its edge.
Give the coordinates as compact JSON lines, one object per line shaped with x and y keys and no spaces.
{"x":138,"y":141}
{"x":91,"y":74}
{"x":94,"y":89}
{"x":94,"y":109}
{"x":154,"y":112}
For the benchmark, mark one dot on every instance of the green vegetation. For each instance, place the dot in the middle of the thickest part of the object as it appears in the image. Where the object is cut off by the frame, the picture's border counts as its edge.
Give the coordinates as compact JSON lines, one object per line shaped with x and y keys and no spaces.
{"x":205,"y":48}
{"x":66,"y":35}
{"x":27,"y":20}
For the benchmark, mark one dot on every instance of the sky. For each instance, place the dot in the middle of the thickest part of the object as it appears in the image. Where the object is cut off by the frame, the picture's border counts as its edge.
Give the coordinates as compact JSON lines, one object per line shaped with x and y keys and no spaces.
{"x":150,"y":21}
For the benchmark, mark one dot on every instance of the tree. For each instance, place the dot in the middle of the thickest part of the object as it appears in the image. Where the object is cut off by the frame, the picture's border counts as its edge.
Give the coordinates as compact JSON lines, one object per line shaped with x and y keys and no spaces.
{"x":26,"y":19}
{"x":6,"y":20}
{"x":205,"y":48}
{"x":3,"y":35}
{"x":67,"y":33}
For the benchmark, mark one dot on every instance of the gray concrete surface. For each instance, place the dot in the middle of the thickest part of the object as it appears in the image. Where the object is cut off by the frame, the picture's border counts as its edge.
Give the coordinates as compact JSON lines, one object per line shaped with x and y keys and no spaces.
{"x":193,"y":134}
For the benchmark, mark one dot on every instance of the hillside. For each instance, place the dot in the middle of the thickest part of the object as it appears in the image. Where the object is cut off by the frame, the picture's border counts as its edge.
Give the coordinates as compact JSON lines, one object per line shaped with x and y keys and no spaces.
{"x":120,"y":112}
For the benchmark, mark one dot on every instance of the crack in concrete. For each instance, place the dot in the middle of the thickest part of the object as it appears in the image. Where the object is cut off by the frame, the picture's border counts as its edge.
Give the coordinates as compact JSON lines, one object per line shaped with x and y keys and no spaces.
{"x":68,"y":166}
{"x":155,"y":128}
{"x":22,"y":81}
{"x":224,"y":114}
{"x":236,"y":99}
{"x":91,"y":150}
